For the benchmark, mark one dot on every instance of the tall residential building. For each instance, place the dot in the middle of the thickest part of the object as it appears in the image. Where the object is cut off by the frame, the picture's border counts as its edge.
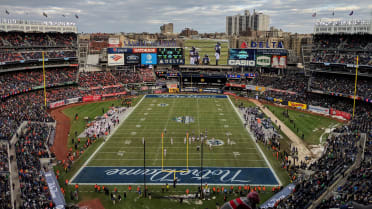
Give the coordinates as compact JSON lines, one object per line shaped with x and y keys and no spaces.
{"x":241,"y":24}
{"x":166,"y":28}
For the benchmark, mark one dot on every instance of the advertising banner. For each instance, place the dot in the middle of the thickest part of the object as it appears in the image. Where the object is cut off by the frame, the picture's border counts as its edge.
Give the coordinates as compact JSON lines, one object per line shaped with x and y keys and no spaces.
{"x":92,"y":98}
{"x":114,"y":42}
{"x":115,"y":59}
{"x":148,"y":59}
{"x":72,"y":100}
{"x":169,"y":56}
{"x":144,"y":50}
{"x":260,"y":88}
{"x":105,"y":87}
{"x":235,"y":85}
{"x":250,"y":87}
{"x":242,"y":57}
{"x":242,"y":54}
{"x":130,"y":59}
{"x":57,"y":104}
{"x":297,"y":105}
{"x":318,"y":109}
{"x":278,"y":100}
{"x":278,"y":196}
{"x":344,"y":115}
{"x":114,"y":94}
{"x":55,"y":190}
{"x":119,"y":50}
{"x":263,"y":61}
{"x":279,"y":61}
{"x":280,"y":52}
{"x":172,"y":85}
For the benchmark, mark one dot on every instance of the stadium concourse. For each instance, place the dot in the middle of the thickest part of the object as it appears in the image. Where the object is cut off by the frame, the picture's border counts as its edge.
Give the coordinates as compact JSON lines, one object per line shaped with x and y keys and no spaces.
{"x":341,"y":177}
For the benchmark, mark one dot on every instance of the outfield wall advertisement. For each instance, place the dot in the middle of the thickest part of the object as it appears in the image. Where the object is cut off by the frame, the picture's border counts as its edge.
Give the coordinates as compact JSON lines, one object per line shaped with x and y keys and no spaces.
{"x":275,"y":58}
{"x":344,"y":115}
{"x":297,"y":105}
{"x":115,"y":59}
{"x":318,"y":109}
{"x":263,"y":61}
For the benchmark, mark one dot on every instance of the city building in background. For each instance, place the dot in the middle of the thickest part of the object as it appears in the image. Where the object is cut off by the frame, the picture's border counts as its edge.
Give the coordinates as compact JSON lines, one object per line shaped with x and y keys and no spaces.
{"x":242,"y":24}
{"x":166,"y":28}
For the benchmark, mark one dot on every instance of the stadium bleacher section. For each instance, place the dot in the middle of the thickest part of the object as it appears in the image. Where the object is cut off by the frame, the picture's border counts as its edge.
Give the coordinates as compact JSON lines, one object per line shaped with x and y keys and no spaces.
{"x":20,"y":39}
{"x":30,"y":147}
{"x":342,"y":49}
{"x":21,"y":81}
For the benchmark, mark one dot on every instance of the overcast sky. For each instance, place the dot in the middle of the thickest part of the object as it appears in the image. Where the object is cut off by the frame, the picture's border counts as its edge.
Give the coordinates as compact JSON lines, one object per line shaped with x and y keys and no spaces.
{"x":202,"y":15}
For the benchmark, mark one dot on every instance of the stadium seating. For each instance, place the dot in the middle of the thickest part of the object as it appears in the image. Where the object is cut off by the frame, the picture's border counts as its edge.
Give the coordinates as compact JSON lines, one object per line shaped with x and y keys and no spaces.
{"x":20,"y":81}
{"x":342,"y":49}
{"x":29,"y":149}
{"x":19,"y":39}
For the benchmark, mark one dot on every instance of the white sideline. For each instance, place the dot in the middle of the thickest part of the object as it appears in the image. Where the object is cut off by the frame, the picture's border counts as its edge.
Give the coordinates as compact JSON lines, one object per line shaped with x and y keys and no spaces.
{"x":252,"y":137}
{"x":103,"y":143}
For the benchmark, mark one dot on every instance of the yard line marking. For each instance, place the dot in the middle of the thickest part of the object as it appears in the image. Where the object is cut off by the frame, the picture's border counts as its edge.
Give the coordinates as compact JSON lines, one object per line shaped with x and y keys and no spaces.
{"x":175,"y":153}
{"x":130,"y":111}
{"x":215,"y":147}
{"x":173,"y":159}
{"x":236,"y":154}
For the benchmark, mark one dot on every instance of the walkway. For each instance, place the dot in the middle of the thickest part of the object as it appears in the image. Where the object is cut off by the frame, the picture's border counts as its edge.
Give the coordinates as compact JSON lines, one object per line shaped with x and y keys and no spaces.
{"x":303,"y":151}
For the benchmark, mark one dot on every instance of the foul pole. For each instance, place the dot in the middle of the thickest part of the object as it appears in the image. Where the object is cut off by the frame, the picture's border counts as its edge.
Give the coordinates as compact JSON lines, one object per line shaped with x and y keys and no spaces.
{"x":356,"y":79}
{"x":162,"y":150}
{"x":45,"y":100}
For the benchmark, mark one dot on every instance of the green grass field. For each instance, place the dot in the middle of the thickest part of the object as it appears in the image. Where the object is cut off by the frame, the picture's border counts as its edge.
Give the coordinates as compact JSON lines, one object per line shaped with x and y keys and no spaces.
{"x":312,"y":126}
{"x":206,"y":113}
{"x":149,"y":120}
{"x":206,"y":47}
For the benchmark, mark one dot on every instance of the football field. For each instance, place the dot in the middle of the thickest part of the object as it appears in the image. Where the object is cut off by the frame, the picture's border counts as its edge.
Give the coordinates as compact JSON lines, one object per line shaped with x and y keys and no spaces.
{"x":229,"y":155}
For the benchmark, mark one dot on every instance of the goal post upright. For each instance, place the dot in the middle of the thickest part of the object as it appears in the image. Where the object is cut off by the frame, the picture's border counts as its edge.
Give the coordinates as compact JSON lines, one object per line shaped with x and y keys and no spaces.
{"x":187,"y":157}
{"x":162,"y":151}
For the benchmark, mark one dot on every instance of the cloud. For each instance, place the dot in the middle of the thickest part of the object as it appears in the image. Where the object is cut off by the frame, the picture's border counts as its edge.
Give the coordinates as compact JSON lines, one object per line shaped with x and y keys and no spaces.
{"x":95,"y":3}
{"x":202,"y":15}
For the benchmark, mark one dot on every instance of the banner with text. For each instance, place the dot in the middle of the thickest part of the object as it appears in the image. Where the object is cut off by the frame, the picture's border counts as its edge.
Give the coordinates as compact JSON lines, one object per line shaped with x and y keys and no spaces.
{"x":318,"y":109}
{"x":297,"y":105}
{"x":192,"y":176}
{"x":92,"y":98}
{"x":115,"y":59}
{"x":344,"y":115}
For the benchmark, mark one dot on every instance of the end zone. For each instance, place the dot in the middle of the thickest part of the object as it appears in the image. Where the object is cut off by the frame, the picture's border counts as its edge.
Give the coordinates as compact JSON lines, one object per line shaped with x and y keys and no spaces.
{"x":156,"y":176}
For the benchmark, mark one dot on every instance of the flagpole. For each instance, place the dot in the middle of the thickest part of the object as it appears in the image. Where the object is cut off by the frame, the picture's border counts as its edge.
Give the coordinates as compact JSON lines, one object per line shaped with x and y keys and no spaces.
{"x":355,"y":88}
{"x":45,"y":100}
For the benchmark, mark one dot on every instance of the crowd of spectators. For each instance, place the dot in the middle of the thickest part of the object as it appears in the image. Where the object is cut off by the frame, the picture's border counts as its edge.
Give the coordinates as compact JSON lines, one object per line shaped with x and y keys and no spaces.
{"x":5,"y":199}
{"x":23,"y":107}
{"x":5,"y":192}
{"x":147,"y":75}
{"x":30,"y":147}
{"x":342,"y":41}
{"x":20,"y":39}
{"x":342,"y":85}
{"x":357,"y":188}
{"x":126,"y":77}
{"x":35,"y":55}
{"x":340,"y":154}
{"x":24,"y":80}
{"x":4,"y":160}
{"x":342,"y":49}
{"x":98,"y":78}
{"x":109,"y":78}
{"x":291,"y":82}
